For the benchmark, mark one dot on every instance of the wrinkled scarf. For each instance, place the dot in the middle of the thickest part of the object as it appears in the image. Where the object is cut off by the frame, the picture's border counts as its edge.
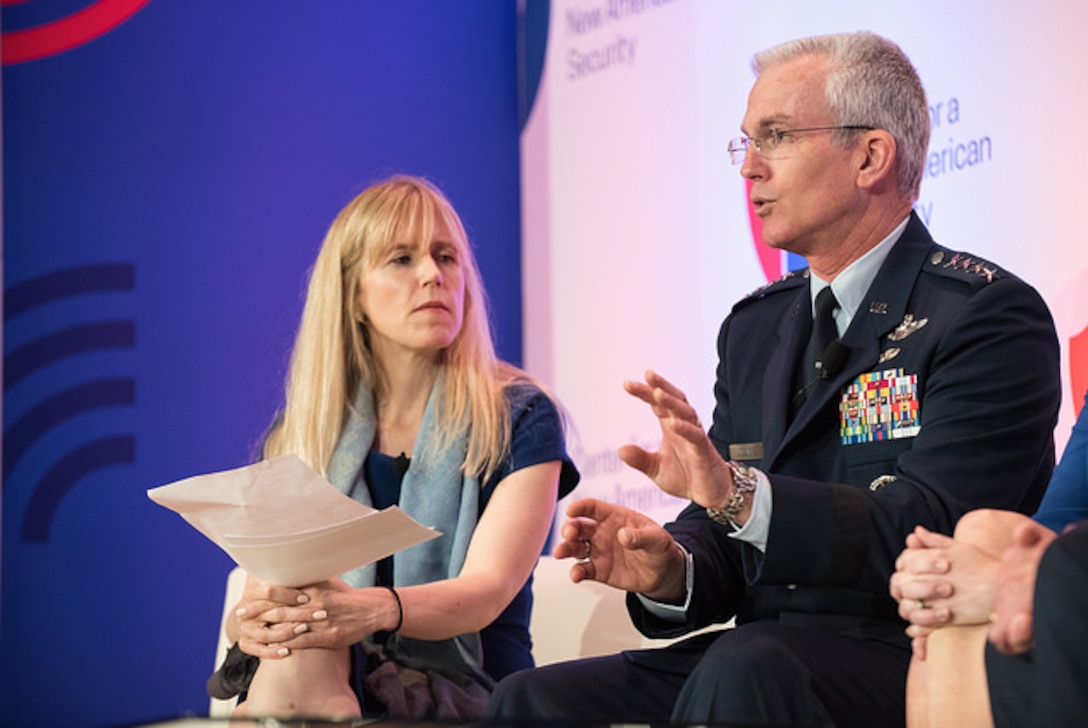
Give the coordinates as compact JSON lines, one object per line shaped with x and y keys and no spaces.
{"x":434,"y":492}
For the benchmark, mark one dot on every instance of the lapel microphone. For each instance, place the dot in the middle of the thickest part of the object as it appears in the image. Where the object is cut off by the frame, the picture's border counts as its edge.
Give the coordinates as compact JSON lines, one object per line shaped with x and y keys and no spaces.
{"x":833,"y":359}
{"x":830,"y":364}
{"x":400,"y":465}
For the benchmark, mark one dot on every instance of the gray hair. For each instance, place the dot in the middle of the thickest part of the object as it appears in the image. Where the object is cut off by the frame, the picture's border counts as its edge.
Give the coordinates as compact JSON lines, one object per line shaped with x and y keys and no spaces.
{"x":870,"y":82}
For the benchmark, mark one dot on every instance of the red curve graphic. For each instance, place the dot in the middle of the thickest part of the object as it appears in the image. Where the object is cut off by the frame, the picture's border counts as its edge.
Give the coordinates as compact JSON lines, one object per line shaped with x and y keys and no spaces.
{"x":67,"y":33}
{"x":1078,"y":368}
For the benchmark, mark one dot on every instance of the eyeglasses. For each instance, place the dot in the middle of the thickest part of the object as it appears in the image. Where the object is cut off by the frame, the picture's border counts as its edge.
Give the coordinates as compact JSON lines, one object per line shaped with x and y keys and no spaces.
{"x":738,"y":148}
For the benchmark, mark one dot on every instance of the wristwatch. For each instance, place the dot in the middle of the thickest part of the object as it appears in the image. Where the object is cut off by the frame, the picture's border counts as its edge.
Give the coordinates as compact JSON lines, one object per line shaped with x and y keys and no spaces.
{"x":744,"y":484}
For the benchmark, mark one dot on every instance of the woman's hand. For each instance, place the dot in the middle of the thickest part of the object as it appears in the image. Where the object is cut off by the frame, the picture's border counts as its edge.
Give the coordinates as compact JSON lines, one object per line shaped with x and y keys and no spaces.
{"x":275,"y":620}
{"x":267,"y":615}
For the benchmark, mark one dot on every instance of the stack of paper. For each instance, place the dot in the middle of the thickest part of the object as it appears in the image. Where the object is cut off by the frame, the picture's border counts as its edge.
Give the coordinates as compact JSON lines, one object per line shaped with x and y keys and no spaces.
{"x":283,"y":523}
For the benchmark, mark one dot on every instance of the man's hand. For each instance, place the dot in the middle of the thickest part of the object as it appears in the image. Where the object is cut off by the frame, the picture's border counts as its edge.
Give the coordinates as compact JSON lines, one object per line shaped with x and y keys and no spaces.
{"x":687,"y":465}
{"x":622,"y":548}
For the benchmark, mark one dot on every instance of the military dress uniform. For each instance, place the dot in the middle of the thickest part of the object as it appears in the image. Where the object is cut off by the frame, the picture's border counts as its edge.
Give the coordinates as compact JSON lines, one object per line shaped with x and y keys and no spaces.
{"x":945,"y":400}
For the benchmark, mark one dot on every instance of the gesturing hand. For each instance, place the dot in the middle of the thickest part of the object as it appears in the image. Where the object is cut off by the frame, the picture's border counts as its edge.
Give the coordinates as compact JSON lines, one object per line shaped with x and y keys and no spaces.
{"x":622,"y":548}
{"x":687,"y":464}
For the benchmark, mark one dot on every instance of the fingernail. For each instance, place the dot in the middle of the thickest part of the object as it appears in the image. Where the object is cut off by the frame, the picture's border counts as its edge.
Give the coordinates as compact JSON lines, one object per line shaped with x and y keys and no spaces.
{"x":301,"y":628}
{"x":240,"y":612}
{"x":302,"y":599}
{"x":283,"y":652}
{"x":320,"y":614}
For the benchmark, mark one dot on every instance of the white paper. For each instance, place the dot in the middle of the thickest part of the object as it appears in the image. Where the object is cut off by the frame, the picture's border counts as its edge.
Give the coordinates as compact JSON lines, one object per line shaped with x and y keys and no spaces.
{"x":283,"y":523}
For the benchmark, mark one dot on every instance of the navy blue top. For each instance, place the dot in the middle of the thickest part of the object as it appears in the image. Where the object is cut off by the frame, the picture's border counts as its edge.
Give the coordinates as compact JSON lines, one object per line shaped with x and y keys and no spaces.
{"x":537,"y":437}
{"x":1066,"y":498}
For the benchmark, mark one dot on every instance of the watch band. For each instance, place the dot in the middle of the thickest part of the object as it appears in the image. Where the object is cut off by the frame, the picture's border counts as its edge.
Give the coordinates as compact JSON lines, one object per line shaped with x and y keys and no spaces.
{"x":744,"y":484}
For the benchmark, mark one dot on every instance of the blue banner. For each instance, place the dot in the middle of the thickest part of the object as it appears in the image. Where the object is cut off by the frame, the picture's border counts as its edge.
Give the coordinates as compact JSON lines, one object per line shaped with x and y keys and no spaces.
{"x":170,"y":169}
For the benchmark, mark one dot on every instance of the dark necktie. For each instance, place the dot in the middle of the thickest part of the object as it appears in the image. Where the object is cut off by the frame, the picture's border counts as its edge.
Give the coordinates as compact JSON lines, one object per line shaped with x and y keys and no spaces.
{"x":823,"y":333}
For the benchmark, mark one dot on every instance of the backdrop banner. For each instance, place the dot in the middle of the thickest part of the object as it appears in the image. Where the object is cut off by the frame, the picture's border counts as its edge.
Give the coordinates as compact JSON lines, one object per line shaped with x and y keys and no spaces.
{"x":638,"y":236}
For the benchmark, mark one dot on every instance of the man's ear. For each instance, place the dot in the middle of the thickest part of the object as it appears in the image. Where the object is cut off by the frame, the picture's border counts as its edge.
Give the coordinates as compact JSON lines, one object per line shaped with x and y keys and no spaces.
{"x":877,"y":153}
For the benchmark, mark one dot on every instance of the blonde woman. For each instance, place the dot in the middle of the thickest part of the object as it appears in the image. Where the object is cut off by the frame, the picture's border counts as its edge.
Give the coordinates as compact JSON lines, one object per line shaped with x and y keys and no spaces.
{"x":396,"y":396}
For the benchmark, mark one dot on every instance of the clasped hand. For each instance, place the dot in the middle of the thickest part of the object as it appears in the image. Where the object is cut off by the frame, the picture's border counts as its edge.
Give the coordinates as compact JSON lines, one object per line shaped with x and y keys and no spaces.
{"x":941,"y":581}
{"x":274,"y":620}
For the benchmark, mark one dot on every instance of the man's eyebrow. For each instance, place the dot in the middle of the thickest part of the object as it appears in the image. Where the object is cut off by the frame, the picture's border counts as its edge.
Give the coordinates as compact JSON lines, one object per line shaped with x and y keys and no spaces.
{"x":769,"y":122}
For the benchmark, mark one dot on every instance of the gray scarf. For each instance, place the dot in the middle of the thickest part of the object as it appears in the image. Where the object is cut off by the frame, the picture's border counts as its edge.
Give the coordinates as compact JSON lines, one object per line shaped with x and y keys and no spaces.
{"x":437,"y":494}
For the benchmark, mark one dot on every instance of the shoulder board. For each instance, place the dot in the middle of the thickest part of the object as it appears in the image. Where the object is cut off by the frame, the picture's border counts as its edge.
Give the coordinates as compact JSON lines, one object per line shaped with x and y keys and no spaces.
{"x":788,"y":282}
{"x":963,"y":266}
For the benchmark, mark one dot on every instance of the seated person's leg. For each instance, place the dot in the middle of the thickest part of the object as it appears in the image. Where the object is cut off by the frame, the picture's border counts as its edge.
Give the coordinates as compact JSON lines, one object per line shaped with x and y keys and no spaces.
{"x":956,"y":691}
{"x":309,"y":683}
{"x":917,"y":709}
{"x":782,"y":674}
{"x":611,"y":689}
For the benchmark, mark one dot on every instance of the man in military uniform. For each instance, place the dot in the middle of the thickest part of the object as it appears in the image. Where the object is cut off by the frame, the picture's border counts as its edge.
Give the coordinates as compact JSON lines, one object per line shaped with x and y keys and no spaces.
{"x":891,"y":383}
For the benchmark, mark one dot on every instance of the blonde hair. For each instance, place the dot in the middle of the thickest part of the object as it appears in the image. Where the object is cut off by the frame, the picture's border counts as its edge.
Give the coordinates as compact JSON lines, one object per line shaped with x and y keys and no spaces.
{"x":332,"y":357}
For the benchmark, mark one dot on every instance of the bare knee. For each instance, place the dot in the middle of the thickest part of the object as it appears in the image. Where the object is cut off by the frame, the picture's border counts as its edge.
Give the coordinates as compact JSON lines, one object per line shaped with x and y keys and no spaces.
{"x":988,"y":529}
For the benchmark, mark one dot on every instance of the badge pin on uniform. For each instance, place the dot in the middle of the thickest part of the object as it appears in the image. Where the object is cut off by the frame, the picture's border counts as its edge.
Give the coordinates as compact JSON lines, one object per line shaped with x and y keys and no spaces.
{"x":907,"y":327}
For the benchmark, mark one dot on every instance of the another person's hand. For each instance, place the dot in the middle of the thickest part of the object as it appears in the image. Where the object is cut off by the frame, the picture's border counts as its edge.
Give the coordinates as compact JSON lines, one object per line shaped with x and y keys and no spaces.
{"x":940,"y":581}
{"x":622,"y":548}
{"x":1012,"y":631}
{"x":687,"y":465}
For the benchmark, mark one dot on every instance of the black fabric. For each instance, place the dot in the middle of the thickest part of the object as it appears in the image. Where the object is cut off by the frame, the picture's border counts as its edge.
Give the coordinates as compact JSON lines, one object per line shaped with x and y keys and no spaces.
{"x":1061,"y":631}
{"x":767,"y":674}
{"x":1009,"y":678}
{"x":233,"y":676}
{"x":1046,"y":686}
